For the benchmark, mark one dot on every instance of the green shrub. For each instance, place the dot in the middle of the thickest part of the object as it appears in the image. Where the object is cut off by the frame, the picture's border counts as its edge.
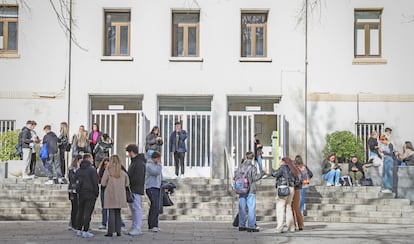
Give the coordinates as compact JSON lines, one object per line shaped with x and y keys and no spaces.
{"x":8,"y":141}
{"x":344,"y":144}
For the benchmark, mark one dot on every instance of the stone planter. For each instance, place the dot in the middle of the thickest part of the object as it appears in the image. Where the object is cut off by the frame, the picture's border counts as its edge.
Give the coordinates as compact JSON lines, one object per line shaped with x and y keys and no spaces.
{"x":11,"y":169}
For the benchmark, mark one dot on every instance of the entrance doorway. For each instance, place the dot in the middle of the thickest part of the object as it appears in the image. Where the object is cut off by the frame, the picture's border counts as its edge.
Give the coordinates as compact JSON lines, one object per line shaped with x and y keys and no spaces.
{"x":124,"y":126}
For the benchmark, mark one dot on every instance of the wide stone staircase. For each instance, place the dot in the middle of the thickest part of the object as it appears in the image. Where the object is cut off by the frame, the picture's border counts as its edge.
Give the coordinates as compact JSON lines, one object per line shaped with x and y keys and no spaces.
{"x":209,"y":200}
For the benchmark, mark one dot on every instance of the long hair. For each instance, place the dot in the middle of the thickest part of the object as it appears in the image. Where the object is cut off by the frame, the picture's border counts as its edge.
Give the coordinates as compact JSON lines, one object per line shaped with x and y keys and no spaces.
{"x":298,"y":160}
{"x":292,"y":167}
{"x":409,"y":145}
{"x":102,"y":163}
{"x":75,"y":160}
{"x":64,"y":128}
{"x":114,"y":168}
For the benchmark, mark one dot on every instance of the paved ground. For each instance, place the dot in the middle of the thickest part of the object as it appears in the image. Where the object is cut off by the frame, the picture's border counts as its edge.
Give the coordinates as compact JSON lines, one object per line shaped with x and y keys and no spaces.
{"x":32,"y":232}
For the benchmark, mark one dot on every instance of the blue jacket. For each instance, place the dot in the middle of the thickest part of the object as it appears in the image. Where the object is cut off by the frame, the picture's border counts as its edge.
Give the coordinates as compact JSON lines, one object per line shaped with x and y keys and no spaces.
{"x":181,"y":141}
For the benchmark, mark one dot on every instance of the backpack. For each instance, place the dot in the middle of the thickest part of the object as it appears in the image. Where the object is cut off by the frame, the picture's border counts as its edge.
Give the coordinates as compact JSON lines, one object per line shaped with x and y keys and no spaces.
{"x":44,"y":154}
{"x":241,"y":183}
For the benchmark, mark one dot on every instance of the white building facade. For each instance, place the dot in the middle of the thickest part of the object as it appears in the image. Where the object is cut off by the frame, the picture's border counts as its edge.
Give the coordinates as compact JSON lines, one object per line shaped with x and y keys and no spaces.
{"x":229,"y":69}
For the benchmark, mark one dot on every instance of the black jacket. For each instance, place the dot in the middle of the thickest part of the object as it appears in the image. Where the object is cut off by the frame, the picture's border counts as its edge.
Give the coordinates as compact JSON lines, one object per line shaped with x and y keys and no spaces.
{"x":136,"y":173}
{"x":72,"y":180}
{"x":284,"y":176}
{"x":25,"y":137}
{"x":52,"y":142}
{"x":101,"y":151}
{"x":87,"y":180}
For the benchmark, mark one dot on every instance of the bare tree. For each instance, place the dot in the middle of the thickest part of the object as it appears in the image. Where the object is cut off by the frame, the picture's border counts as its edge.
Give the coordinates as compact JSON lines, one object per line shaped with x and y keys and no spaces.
{"x":63,"y":11}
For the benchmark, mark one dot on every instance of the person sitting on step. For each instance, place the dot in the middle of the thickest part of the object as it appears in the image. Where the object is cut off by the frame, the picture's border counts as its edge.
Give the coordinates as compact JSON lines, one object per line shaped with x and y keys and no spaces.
{"x":356,"y":171}
{"x":331,"y":171}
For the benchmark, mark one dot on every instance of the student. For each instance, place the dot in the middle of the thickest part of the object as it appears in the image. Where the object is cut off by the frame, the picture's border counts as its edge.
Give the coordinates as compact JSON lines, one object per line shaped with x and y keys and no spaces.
{"x":249,"y":200}
{"x":73,"y":195}
{"x":285,"y":177}
{"x":88,"y":190}
{"x":356,"y":171}
{"x":52,"y":163}
{"x":115,"y":180}
{"x":331,"y":172}
{"x":136,"y":173}
{"x":152,"y":188}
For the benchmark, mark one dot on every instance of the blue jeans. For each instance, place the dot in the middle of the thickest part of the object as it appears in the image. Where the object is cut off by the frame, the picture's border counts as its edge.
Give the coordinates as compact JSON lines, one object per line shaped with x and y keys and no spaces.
{"x":154,"y":211}
{"x":250,"y":201}
{"x":387,"y":178}
{"x":149,"y":153}
{"x":260,"y":163}
{"x":302,"y":199}
{"x":104,"y":210}
{"x":333,"y":174}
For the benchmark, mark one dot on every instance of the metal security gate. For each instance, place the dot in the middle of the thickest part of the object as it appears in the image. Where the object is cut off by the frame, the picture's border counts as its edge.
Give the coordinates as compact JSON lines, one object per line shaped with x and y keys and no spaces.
{"x":7,"y":125}
{"x":198,"y":158}
{"x":364,"y":130}
{"x":109,"y":122}
{"x":241,"y":133}
{"x":241,"y":137}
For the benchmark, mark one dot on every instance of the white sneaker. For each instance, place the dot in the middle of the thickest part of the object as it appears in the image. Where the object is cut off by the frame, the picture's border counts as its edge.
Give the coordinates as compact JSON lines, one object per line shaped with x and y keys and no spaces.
{"x":78,"y":232}
{"x":386,"y":191}
{"x":87,"y":234}
{"x":49,"y":182}
{"x":155,"y":229}
{"x":134,"y":232}
{"x":337,"y":184}
{"x":327,"y":184}
{"x":27,"y":177}
{"x":102,"y":227}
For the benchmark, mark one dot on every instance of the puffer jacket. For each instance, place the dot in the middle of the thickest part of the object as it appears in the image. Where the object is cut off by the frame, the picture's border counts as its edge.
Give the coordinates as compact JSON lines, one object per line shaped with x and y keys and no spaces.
{"x":87,"y":180}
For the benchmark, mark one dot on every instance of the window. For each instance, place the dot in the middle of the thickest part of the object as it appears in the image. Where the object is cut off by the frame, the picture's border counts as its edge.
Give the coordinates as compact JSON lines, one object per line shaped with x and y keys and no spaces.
{"x":253,"y":34}
{"x":8,"y":29}
{"x":367,"y":33}
{"x":185,"y":34}
{"x":117,"y":33}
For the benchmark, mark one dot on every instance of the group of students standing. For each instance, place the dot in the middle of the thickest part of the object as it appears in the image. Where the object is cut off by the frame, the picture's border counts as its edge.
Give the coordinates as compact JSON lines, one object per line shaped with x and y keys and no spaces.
{"x":141,"y":177}
{"x":292,"y":178}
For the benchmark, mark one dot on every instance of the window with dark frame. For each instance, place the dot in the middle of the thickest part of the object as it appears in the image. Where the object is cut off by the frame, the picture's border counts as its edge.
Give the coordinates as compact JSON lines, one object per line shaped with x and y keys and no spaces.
{"x":117,"y":33}
{"x":367,"y":34}
{"x":185,"y":34}
{"x":8,"y":28}
{"x":254,"y":34}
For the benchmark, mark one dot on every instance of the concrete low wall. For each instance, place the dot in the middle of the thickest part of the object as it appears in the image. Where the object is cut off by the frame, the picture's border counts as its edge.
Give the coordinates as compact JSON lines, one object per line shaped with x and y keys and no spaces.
{"x":406,"y":182}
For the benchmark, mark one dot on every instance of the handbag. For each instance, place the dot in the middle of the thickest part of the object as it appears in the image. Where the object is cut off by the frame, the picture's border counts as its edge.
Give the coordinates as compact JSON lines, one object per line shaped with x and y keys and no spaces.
{"x":367,"y":182}
{"x":283,"y":191}
{"x":129,"y":195}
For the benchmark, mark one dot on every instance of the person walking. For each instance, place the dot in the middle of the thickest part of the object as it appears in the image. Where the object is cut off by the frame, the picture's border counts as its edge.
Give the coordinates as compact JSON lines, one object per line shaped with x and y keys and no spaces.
{"x":249,"y":199}
{"x":115,"y":180}
{"x":285,"y":177}
{"x":52,"y":162}
{"x":73,"y":195}
{"x":153,"y":142}
{"x":136,"y":173}
{"x":88,"y":190}
{"x":177,"y":146}
{"x":152,"y":188}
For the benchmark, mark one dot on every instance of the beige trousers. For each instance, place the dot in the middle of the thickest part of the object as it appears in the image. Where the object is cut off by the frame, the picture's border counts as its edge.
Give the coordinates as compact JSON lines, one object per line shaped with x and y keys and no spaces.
{"x":284,"y":211}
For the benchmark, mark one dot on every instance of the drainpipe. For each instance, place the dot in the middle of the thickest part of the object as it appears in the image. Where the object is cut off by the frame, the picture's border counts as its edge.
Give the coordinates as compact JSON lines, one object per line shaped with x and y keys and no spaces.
{"x":306,"y":80}
{"x":70,"y":59}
